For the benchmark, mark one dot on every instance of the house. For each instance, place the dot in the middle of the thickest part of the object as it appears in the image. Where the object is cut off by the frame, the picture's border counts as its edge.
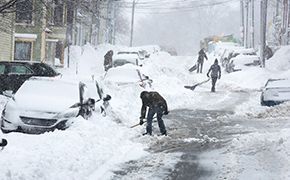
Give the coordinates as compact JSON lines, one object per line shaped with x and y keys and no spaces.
{"x":6,"y":35}
{"x":40,"y":30}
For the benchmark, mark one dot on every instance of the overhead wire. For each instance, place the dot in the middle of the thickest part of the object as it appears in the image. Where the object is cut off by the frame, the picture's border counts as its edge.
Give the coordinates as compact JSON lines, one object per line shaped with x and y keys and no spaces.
{"x":163,"y":6}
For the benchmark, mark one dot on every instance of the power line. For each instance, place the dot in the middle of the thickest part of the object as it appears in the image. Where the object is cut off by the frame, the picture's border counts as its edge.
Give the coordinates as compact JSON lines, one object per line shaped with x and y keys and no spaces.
{"x":162,"y":6}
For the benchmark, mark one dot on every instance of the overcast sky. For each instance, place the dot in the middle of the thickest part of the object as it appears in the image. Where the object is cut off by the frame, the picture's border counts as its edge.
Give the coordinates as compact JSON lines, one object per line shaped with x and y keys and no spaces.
{"x":182,"y":23}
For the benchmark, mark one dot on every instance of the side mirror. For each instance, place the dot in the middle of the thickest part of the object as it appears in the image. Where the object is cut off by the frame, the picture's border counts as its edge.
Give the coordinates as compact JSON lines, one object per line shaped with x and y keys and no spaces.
{"x":3,"y":143}
{"x":8,"y":93}
{"x":107,"y":98}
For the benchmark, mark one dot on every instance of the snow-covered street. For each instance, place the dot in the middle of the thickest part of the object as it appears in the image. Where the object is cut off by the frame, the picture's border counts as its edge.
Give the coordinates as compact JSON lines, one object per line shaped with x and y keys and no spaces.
{"x":98,"y":148}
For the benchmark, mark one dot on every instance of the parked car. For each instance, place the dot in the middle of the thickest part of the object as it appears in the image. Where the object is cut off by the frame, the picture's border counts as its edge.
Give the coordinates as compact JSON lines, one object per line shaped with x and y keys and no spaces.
{"x":14,"y":73}
{"x":44,"y":104}
{"x":242,"y":62}
{"x":121,"y":59}
{"x":233,"y":52}
{"x":127,"y":74}
{"x":275,"y":91}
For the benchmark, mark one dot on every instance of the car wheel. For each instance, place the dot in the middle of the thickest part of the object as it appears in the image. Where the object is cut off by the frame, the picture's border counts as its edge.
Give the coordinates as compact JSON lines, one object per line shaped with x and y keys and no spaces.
{"x":62,"y":125}
{"x":262,"y":101}
{"x":3,"y":128}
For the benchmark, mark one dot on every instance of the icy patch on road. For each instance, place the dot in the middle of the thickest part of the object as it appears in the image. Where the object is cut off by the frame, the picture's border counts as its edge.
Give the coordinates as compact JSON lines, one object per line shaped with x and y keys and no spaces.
{"x":203,"y":139}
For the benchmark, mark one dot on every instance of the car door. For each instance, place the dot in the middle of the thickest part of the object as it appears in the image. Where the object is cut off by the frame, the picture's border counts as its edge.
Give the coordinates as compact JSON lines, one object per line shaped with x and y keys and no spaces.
{"x":17,"y":74}
{"x":3,"y":76}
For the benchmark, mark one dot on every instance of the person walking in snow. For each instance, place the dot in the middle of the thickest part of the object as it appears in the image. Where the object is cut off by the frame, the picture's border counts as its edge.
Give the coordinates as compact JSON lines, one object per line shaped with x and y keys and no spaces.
{"x":157,"y":105}
{"x":108,"y":58}
{"x":215,"y":70}
{"x":200,"y":60}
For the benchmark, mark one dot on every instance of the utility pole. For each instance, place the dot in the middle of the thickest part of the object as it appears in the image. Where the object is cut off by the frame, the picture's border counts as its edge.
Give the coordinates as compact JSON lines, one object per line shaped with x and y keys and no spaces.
{"x":247,"y":24}
{"x":253,"y":23}
{"x":132,"y":23}
{"x":263,"y":30}
{"x":242,"y":28}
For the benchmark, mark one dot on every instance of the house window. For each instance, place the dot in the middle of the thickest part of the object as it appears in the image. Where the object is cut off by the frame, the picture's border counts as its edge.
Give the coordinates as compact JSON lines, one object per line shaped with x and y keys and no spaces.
{"x":24,"y":10}
{"x":22,"y":51}
{"x":58,"y":13}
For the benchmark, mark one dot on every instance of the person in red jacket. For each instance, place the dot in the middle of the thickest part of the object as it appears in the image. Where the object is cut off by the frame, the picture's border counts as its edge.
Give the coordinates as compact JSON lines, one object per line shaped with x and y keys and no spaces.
{"x":157,"y":105}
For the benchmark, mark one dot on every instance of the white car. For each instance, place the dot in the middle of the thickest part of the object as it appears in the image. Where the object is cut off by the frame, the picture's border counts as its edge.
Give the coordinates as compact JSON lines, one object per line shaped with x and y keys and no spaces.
{"x":127,"y":74}
{"x":275,"y":91}
{"x":242,"y":62}
{"x":44,"y":104}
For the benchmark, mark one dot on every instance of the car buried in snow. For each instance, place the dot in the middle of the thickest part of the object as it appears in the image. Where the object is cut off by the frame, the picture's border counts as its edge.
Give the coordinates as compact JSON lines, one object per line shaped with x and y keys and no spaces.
{"x":127,"y":74}
{"x":275,"y":92}
{"x":44,"y":104}
{"x":242,"y":62}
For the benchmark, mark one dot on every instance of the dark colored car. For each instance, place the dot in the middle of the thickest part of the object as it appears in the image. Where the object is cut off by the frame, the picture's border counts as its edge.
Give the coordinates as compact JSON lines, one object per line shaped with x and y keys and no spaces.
{"x":14,"y":73}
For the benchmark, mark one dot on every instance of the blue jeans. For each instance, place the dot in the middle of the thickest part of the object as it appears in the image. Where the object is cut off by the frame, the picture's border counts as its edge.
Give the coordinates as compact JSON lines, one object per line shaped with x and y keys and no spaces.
{"x":151,"y":112}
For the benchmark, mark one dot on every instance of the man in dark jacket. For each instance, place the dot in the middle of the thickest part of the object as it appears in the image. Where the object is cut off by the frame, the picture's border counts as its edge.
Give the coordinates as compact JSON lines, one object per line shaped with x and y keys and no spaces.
{"x":108,"y":58}
{"x":156,"y":104}
{"x":215,"y":70}
{"x":200,"y":60}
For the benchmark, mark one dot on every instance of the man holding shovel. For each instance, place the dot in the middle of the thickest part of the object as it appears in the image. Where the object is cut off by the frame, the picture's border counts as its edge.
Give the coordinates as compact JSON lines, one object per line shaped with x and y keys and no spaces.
{"x":215,"y":70}
{"x":156,"y":104}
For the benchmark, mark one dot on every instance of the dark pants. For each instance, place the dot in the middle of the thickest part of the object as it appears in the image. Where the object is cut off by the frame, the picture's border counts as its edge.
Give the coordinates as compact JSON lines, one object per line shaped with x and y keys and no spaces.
{"x":150,"y":115}
{"x":213,"y":81}
{"x":199,"y":67}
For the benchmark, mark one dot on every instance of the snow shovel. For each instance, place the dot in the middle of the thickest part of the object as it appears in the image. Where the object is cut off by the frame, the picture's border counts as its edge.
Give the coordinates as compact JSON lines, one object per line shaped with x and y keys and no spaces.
{"x":193,"y":68}
{"x":194,"y":86}
{"x":144,"y":121}
{"x":138,"y":124}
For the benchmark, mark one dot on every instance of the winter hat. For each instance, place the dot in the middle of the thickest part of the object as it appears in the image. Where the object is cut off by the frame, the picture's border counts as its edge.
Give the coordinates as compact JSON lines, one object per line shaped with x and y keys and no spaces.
{"x":216,"y":61}
{"x":143,"y":93}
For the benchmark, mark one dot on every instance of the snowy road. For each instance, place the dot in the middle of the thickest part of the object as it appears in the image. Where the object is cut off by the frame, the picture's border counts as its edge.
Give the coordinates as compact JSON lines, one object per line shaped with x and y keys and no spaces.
{"x":190,"y":132}
{"x":196,"y":138}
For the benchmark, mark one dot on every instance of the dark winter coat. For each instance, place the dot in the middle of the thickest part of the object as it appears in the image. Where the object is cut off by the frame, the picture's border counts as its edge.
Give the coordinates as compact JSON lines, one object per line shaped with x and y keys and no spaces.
{"x":215,"y":70}
{"x":108,"y":58}
{"x":201,"y":56}
{"x":152,"y":99}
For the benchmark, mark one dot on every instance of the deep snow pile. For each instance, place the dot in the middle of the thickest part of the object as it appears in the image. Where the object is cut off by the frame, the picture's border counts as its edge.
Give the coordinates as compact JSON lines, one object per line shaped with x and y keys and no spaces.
{"x":90,"y":149}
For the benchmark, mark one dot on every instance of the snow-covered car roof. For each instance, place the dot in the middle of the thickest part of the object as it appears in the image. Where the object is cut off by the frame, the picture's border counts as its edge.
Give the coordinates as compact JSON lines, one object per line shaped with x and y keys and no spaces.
{"x":278,"y":83}
{"x":47,"y":94}
{"x":245,"y":59}
{"x":244,"y":51}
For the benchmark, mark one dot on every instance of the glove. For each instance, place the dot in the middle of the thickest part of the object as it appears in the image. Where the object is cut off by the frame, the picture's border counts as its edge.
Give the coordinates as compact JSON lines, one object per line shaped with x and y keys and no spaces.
{"x":219,"y":77}
{"x":141,"y":121}
{"x":207,"y":75}
{"x":166,"y":112}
